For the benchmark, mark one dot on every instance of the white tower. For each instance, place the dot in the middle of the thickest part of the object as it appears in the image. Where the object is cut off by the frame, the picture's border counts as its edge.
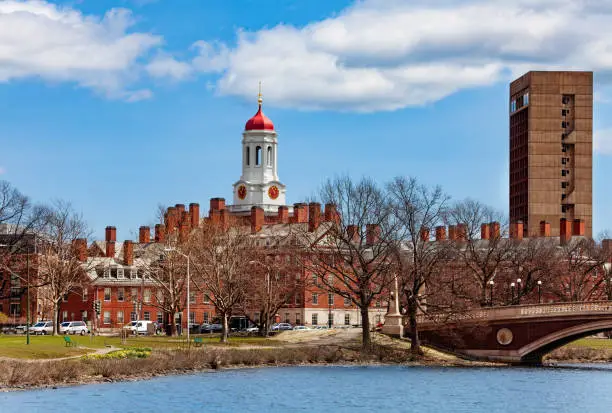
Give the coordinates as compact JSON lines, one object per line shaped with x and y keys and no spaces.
{"x":259,"y":184}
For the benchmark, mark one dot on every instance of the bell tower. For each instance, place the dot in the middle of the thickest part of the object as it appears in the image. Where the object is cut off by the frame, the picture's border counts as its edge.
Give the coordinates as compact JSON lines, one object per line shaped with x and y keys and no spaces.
{"x":259,"y":184}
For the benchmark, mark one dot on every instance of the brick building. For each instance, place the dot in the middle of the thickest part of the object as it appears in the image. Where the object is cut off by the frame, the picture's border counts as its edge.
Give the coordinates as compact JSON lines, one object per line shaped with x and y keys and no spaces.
{"x":551,"y":150}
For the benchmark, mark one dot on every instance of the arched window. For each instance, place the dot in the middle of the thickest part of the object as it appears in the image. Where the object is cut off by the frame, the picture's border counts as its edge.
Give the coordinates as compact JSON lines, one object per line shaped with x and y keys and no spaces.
{"x":248,"y":156}
{"x":258,"y":156}
{"x":269,"y":156}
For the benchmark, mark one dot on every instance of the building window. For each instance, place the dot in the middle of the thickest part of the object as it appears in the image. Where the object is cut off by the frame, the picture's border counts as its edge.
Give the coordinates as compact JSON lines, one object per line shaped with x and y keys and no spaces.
{"x":330,"y":298}
{"x":298,"y":319}
{"x":377,"y":304}
{"x":160,"y":318}
{"x":565,"y":172}
{"x":298,"y":299}
{"x":64,"y":298}
{"x":192,"y":297}
{"x":526,"y":99}
{"x":85,"y":294}
{"x":113,"y":272}
{"x":315,"y":280}
{"x":107,"y":318}
{"x":205,"y":317}
{"x":107,"y":294}
{"x":347,"y":319}
{"x":107,"y":273}
{"x":248,"y":156}
{"x":83,"y":315}
{"x":206,"y":299}
{"x":120,"y":294}
{"x":269,"y":156}
{"x":192,"y":318}
{"x":347,"y":302}
{"x":133,"y":316}
{"x":315,"y":298}
{"x":258,"y":156}
{"x":315,"y":319}
{"x":120,"y":317}
{"x":120,"y":273}
{"x":134,"y":293}
{"x":287,"y":320}
{"x":133,"y":273}
{"x":15,"y":309}
{"x":147,"y":315}
{"x":147,"y":295}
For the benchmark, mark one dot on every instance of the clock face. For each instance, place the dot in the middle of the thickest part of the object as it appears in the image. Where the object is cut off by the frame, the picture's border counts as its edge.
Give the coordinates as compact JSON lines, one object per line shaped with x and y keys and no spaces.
{"x":242,"y":192}
{"x":273,"y":192}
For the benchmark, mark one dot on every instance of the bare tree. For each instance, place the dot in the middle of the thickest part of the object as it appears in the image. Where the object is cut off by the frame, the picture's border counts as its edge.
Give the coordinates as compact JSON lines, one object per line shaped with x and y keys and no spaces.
{"x":577,"y":272}
{"x":60,"y":269}
{"x":220,"y":266}
{"x":353,"y":257}
{"x":480,"y":259}
{"x":420,"y":263}
{"x":274,"y":282}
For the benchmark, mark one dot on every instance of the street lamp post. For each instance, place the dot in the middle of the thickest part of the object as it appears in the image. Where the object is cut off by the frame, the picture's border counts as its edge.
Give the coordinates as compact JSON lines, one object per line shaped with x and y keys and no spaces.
{"x":329,"y":314}
{"x":491,"y":284}
{"x":539,"y":291}
{"x":188,"y":282}
{"x":512,"y":293}
{"x":518,"y":290}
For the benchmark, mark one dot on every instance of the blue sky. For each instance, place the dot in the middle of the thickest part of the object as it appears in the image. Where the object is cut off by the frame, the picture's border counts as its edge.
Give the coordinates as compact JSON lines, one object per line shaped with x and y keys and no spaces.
{"x":119,"y":106}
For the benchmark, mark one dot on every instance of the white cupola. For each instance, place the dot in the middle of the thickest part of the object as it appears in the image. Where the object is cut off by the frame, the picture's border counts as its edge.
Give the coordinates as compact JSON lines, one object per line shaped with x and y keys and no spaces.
{"x":259,"y":184}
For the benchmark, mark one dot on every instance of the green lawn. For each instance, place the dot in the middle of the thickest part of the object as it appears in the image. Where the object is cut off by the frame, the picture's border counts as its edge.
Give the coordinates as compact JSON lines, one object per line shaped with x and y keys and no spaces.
{"x":48,"y":347}
{"x":598,"y":343}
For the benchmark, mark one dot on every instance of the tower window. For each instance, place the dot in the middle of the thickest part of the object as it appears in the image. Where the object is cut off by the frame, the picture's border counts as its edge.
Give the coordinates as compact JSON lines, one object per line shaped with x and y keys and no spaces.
{"x":258,"y":156}
{"x":248,"y":156}
{"x":269,"y":156}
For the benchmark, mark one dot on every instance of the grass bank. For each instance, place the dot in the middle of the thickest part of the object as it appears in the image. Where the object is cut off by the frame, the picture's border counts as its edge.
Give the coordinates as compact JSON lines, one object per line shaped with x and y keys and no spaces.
{"x":586,"y":350}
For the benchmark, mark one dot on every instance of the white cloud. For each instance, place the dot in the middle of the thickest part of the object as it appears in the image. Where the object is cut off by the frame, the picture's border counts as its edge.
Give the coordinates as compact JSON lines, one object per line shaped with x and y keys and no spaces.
{"x":166,"y":66}
{"x":2,"y":170}
{"x":389,"y":54}
{"x":602,"y":141}
{"x":42,"y":40}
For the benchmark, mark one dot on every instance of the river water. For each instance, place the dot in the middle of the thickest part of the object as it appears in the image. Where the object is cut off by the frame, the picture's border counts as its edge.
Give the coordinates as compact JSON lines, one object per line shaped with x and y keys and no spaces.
{"x":585,"y":389}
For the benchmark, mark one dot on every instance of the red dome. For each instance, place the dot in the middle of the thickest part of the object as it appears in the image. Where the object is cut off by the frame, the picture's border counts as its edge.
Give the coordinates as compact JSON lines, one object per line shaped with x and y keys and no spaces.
{"x":259,"y":122}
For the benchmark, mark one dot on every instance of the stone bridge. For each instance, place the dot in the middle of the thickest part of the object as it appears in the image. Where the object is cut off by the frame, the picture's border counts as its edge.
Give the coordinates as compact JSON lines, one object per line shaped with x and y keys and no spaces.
{"x":512,"y":334}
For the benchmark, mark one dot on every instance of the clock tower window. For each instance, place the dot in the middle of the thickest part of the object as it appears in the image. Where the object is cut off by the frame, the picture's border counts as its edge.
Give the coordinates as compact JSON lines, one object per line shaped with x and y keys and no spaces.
{"x":248,"y":156}
{"x":269,"y":156}
{"x":258,"y":156}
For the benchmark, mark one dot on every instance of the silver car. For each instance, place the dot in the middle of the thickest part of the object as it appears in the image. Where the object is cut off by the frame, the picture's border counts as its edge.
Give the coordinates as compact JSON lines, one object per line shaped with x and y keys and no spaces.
{"x":42,"y":328}
{"x":74,"y":327}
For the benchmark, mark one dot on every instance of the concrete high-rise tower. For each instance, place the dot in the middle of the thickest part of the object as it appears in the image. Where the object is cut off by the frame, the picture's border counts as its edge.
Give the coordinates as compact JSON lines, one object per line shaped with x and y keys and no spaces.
{"x":551,"y":150}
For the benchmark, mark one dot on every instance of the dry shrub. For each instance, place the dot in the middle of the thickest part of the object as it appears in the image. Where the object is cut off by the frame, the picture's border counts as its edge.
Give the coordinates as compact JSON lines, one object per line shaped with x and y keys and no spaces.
{"x":580,"y":354}
{"x":20,"y":373}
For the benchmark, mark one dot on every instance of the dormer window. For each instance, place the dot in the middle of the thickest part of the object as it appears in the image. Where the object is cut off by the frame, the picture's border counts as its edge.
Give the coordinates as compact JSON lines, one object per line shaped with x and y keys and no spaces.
{"x":120,"y":273}
{"x":107,"y":273}
{"x":113,"y":272}
{"x":133,"y":273}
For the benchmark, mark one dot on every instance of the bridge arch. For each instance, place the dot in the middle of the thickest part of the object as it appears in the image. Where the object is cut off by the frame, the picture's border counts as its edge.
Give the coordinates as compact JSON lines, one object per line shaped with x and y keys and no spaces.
{"x":534,"y":351}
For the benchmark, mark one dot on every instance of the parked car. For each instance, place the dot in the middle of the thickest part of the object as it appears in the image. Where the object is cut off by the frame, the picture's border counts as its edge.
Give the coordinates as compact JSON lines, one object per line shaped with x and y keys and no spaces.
{"x":301,"y":328}
{"x":21,"y":329}
{"x":42,"y":328}
{"x":211,"y":328}
{"x":73,"y":327}
{"x":141,"y":327}
{"x":252,"y":329}
{"x":194,"y":328}
{"x":131,"y":326}
{"x":282,"y":327}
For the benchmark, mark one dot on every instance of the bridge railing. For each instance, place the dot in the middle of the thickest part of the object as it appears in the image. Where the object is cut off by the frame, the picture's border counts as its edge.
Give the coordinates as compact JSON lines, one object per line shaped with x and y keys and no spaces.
{"x":518,"y":311}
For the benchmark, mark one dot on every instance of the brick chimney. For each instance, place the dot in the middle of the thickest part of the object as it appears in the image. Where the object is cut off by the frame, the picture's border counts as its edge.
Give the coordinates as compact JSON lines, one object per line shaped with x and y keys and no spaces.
{"x":194,"y":214}
{"x":300,"y":213}
{"x":461,"y":232}
{"x":485,"y":231}
{"x":180,"y":208}
{"x":257,"y":219}
{"x":495,"y":230}
{"x":283,"y":214}
{"x":110,"y":249}
{"x":424,"y":234}
{"x":331,"y":213}
{"x":224,"y":218}
{"x":314,"y":216}
{"x":352,"y":231}
{"x":217,"y":204}
{"x":606,"y":245}
{"x":185,"y":227}
{"x":128,"y":252}
{"x":452,"y":232}
{"x":144,"y":235}
{"x":80,"y":249}
{"x":578,"y":227}
{"x":441,"y":233}
{"x":544,"y":229}
{"x":111,"y":234}
{"x":372,"y":234}
{"x":171,"y":220}
{"x":565,"y":230}
{"x":160,"y":233}
{"x":516,"y":230}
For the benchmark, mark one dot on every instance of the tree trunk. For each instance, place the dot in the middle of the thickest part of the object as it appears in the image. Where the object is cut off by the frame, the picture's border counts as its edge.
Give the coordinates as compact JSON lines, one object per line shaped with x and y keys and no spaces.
{"x":415,"y":343}
{"x":224,"y":332}
{"x":55,"y":317}
{"x":366,"y":343}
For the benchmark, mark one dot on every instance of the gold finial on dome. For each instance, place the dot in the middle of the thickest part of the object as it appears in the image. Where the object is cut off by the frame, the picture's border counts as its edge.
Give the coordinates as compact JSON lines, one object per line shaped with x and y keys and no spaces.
{"x":259,"y":96}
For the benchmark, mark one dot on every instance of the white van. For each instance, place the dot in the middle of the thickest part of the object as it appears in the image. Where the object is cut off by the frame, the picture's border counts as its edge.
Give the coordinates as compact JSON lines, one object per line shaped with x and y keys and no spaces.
{"x":143,"y":327}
